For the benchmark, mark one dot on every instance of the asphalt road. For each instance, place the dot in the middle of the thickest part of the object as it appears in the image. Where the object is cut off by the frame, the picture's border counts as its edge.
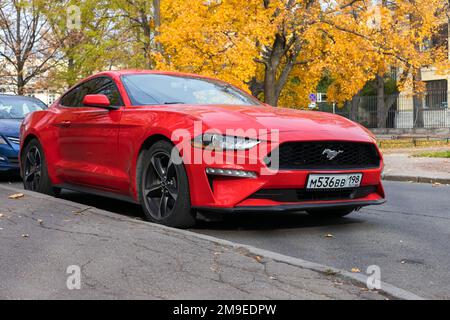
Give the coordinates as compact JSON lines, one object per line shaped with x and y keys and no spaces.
{"x":408,"y":238}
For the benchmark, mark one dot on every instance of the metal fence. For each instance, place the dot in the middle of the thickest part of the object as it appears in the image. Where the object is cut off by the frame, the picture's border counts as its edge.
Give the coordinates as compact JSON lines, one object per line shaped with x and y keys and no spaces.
{"x":403,"y":111}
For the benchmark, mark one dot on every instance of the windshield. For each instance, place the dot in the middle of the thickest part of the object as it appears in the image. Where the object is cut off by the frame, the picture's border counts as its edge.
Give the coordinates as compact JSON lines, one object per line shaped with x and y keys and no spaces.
{"x":155,"y":89}
{"x":18,"y":107}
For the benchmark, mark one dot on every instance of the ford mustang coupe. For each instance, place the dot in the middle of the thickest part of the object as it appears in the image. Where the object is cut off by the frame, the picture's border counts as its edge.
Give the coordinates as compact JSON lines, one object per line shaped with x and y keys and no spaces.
{"x":181,"y":144}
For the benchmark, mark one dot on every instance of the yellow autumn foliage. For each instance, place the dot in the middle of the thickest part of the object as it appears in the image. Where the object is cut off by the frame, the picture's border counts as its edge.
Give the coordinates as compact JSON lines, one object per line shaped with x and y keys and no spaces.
{"x":351,"y":41}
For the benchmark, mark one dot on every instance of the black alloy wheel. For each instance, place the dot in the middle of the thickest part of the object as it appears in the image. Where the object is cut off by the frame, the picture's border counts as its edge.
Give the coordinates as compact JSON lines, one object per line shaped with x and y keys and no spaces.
{"x":164,"y":187}
{"x":160,"y":186}
{"x":32,"y":169}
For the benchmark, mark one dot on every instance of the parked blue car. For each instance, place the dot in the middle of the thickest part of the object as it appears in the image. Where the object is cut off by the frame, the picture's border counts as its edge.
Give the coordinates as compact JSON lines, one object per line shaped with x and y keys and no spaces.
{"x":12,"y":111}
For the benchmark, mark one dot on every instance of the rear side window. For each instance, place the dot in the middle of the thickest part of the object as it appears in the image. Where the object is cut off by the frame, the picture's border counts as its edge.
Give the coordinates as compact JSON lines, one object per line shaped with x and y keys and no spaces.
{"x":100,"y":85}
{"x":69,"y":100}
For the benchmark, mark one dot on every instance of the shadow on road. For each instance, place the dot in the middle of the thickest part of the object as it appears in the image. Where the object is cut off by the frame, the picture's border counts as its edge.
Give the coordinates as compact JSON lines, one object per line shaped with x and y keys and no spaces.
{"x":7,"y":177}
{"x":245,"y":222}
{"x":117,"y":206}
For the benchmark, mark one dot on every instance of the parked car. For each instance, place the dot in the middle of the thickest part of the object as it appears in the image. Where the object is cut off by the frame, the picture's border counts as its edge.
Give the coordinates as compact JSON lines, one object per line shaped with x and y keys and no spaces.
{"x":179,"y":144}
{"x":12,"y":111}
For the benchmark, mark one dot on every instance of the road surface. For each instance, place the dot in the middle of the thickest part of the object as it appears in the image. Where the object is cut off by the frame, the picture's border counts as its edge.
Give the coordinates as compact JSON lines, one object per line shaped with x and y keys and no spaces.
{"x":408,"y":237}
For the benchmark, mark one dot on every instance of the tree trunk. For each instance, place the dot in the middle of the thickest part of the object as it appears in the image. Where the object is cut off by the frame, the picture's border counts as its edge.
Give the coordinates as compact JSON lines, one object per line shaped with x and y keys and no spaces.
{"x":417,"y":100}
{"x":274,"y":67}
{"x":270,"y":96}
{"x":354,"y":106}
{"x":157,"y":17}
{"x":71,"y":79}
{"x":20,"y":64}
{"x":148,"y":47}
{"x":20,"y":86}
{"x":381,"y":104}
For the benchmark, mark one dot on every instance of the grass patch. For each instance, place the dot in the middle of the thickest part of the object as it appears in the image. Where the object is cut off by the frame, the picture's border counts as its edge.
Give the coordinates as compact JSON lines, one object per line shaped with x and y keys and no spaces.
{"x":437,"y":154}
{"x":412,"y":143}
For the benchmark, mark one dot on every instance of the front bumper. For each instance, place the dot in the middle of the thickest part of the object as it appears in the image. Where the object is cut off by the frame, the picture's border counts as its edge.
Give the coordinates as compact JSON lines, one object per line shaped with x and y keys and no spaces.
{"x":9,"y":158}
{"x":238,"y":194}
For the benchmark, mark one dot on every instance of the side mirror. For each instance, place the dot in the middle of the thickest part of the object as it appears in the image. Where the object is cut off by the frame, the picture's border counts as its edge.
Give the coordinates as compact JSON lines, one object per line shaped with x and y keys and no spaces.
{"x":97,"y":100}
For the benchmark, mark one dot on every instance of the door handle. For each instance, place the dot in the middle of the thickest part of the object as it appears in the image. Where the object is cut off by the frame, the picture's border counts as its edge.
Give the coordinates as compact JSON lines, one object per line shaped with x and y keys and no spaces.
{"x":64,"y":124}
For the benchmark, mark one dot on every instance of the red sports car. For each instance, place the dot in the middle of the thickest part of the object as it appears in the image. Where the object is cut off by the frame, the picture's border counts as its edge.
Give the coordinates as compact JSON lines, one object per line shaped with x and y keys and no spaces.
{"x":181,"y":144}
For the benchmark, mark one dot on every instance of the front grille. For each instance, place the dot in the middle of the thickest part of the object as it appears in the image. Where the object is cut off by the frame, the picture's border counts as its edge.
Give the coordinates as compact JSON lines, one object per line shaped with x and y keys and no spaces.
{"x":14,"y":140}
{"x":313,"y":155}
{"x":299,"y":195}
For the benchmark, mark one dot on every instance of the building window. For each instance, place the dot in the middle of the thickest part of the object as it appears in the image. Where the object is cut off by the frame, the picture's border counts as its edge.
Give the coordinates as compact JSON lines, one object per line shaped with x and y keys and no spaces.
{"x":51,"y":98}
{"x":436,"y":95}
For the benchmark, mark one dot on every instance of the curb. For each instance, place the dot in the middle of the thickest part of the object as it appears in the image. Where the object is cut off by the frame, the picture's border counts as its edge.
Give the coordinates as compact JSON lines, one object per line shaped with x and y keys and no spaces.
{"x":389,"y":289}
{"x":401,"y":178}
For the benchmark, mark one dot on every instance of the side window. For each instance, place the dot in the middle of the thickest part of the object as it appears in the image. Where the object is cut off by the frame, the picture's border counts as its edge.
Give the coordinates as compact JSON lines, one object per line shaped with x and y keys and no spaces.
{"x":70,"y":98}
{"x":85,"y":89}
{"x":75,"y":97}
{"x":107,"y":87}
{"x":100,"y":85}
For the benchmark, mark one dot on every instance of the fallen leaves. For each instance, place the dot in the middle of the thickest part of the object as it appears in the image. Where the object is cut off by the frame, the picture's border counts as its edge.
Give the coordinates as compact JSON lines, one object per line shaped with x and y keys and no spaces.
{"x":79,"y":212}
{"x":330,"y":272}
{"x":356,"y":270}
{"x":329,"y":235}
{"x":17,"y":196}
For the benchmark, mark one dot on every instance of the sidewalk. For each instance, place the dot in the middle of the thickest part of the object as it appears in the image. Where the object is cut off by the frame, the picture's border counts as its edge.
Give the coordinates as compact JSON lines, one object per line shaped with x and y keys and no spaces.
{"x":124,"y":258}
{"x":400,"y":165}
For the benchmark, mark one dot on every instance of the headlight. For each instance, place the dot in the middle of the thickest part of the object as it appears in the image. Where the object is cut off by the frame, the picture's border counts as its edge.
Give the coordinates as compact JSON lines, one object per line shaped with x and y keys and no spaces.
{"x":3,"y":141}
{"x":221,"y":142}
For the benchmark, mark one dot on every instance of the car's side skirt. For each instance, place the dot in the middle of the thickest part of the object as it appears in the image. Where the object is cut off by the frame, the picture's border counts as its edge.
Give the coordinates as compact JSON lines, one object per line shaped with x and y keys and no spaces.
{"x":97,"y":192}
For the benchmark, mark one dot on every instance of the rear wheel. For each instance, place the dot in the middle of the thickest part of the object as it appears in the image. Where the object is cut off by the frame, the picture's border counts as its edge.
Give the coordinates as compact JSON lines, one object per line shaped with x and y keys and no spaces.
{"x":164,"y":188}
{"x":35,"y":174}
{"x":330,"y":213}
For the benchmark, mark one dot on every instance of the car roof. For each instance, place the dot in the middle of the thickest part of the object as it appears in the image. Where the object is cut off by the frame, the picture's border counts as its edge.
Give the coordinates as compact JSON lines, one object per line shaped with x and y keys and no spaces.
{"x":119,"y":73}
{"x":2,"y":95}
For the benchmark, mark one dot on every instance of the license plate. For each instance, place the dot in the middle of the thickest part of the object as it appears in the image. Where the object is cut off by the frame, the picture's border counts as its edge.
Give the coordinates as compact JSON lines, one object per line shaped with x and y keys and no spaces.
{"x":334,"y":181}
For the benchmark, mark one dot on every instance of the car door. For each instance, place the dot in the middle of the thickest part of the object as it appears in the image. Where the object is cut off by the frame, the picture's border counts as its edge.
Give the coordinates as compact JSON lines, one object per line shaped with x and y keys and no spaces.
{"x":88,"y":137}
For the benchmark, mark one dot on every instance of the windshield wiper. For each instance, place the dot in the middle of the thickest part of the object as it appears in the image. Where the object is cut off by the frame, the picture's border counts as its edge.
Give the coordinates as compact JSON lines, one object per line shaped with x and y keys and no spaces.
{"x":174,"y":102}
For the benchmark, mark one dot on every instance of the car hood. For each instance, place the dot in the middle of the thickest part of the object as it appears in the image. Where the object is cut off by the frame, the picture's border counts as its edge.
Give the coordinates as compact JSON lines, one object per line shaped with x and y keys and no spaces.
{"x":295,"y":124}
{"x":10,"y":127}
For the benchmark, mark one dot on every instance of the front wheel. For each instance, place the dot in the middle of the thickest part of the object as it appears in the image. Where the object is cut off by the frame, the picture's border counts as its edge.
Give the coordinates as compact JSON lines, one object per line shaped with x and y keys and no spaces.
{"x":35,"y":174}
{"x":330,"y":213}
{"x":164,"y":187}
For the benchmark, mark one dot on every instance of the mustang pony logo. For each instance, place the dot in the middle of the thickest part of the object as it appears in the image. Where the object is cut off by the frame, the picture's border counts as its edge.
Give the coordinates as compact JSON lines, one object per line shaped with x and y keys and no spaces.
{"x":331,"y":154}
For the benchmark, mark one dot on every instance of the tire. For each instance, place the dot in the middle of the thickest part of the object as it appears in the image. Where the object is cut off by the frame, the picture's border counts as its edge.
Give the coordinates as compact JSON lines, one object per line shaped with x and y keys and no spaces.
{"x":35,"y":173}
{"x":163,"y":187}
{"x":330,"y":213}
